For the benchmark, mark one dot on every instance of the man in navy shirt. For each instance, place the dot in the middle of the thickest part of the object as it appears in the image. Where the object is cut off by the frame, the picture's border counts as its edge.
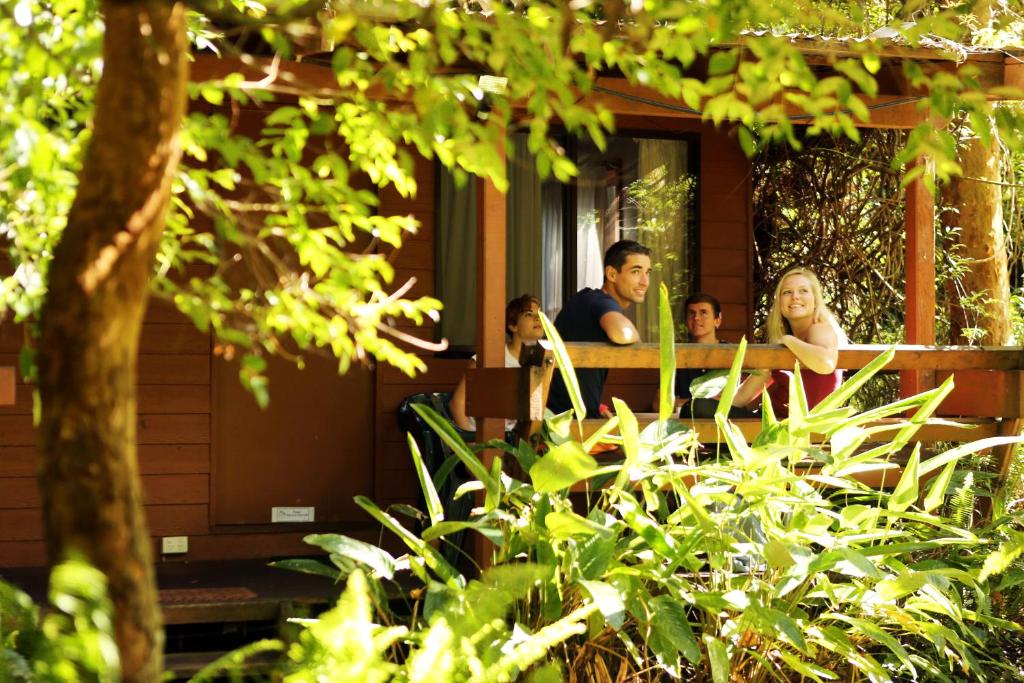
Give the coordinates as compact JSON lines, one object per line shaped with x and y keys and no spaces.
{"x":597,"y":315}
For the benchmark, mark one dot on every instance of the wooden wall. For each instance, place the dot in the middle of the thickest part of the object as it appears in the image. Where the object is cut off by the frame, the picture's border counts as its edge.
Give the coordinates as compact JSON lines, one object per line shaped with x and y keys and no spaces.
{"x":177,"y":386}
{"x":395,"y":478}
{"x":177,"y":371}
{"x":173,"y":434}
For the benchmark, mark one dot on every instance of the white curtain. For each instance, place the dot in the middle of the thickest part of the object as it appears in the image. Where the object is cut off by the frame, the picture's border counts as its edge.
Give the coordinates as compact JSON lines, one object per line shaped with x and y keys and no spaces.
{"x":589,"y":228}
{"x":663,"y":198}
{"x":552,"y":271}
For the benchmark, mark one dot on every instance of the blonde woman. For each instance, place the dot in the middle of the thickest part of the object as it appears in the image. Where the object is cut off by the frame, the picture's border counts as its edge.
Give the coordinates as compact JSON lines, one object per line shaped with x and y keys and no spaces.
{"x":799,"y":320}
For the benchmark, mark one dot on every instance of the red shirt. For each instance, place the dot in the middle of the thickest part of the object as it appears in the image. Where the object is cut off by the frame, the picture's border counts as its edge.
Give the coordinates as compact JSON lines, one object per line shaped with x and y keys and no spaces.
{"x":816,"y":388}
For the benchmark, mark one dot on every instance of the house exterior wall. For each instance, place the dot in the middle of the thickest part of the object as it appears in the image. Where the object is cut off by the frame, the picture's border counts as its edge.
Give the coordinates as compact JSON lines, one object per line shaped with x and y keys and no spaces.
{"x":178,"y":396}
{"x":173,"y":438}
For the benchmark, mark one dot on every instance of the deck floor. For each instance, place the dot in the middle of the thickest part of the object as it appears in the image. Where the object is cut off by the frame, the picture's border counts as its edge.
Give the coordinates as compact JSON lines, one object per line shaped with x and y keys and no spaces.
{"x":207,"y":592}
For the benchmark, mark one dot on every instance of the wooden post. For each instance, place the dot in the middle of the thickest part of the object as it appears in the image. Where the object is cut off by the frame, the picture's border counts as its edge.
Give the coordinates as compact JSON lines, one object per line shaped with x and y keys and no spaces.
{"x":920,"y":269}
{"x":490,"y":277}
{"x":490,"y":313}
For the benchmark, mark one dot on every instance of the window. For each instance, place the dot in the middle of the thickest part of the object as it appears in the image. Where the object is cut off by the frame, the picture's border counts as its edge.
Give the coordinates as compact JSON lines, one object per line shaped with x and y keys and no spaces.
{"x":640,"y":188}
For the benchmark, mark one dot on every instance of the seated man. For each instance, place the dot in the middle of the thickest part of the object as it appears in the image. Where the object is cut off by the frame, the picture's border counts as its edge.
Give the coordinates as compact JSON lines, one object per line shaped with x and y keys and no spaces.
{"x":698,"y":390}
{"x":598,"y":315}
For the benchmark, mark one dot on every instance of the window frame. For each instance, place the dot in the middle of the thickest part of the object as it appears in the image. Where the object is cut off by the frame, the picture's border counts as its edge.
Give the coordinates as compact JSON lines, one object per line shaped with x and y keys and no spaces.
{"x":570,"y":198}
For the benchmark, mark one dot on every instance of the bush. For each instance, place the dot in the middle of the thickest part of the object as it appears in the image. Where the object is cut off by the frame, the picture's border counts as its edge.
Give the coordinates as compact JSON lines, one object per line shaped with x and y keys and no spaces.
{"x":71,"y":644}
{"x":769,"y":561}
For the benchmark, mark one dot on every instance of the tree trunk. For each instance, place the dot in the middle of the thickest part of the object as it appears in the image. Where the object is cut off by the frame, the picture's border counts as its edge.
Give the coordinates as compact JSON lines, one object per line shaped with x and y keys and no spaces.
{"x":981,"y":298}
{"x":98,"y":290}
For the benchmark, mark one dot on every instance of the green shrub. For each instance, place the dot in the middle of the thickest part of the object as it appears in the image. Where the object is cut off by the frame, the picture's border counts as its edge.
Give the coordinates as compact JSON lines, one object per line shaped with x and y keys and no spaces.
{"x":768,"y":561}
{"x":73,"y":643}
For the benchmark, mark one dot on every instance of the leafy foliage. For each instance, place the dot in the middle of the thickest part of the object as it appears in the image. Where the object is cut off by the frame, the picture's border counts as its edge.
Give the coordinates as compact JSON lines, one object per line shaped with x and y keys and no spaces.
{"x":278,"y":242}
{"x":73,"y":643}
{"x":771,"y":560}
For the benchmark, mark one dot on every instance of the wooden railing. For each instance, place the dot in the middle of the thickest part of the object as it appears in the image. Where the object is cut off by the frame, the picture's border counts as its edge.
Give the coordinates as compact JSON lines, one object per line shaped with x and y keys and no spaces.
{"x":777,"y":357}
{"x":988,"y":399}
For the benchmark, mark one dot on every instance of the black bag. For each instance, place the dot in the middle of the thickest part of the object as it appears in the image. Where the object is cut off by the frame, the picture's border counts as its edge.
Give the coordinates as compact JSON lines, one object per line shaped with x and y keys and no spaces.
{"x":446,"y":470}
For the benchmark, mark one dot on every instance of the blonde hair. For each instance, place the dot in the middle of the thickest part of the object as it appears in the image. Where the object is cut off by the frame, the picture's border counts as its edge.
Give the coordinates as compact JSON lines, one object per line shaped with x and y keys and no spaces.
{"x":777,"y":326}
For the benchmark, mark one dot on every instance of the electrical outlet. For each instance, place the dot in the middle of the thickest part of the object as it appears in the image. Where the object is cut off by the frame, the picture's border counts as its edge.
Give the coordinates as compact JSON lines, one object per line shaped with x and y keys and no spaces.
{"x":172,"y":545}
{"x":291,"y":514}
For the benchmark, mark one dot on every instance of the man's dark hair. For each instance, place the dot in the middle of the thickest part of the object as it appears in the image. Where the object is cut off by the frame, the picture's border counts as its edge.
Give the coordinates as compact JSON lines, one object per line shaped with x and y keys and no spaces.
{"x":618,"y":253}
{"x":517,"y":307}
{"x":703,"y":298}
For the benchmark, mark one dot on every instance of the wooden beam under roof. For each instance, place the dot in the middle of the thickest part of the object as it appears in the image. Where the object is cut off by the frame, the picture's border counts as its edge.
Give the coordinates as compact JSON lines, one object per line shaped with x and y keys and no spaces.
{"x":854,"y":47}
{"x":621,"y":97}
{"x":1013,"y":71}
{"x":900,"y":107}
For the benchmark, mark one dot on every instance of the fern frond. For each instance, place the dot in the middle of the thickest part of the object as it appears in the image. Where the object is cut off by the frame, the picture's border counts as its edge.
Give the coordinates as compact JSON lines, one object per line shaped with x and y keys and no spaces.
{"x":534,"y":648}
{"x":961,"y":504}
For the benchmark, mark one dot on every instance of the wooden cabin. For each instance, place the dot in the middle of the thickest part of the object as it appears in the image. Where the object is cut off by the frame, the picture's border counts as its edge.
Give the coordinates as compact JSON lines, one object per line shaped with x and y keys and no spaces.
{"x":214,"y":466}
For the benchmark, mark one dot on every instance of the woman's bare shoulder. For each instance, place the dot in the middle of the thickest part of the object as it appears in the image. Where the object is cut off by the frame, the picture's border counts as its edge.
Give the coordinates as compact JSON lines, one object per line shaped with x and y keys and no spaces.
{"x":823,"y":333}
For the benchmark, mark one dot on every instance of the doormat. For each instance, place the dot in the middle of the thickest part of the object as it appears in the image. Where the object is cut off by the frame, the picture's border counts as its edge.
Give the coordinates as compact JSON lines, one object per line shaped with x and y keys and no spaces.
{"x":188,"y":596}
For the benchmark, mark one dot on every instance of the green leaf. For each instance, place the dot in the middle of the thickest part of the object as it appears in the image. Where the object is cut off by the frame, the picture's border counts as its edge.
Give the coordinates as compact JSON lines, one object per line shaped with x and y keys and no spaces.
{"x":562,"y":467}
{"x":890,"y":590}
{"x":442,"y":529}
{"x":718,"y":655}
{"x":722,"y":62}
{"x":563,"y":525}
{"x":380,"y":561}
{"x":1001,"y":559}
{"x":807,"y":669}
{"x":937,"y":491}
{"x":879,"y":635}
{"x":670,"y":632}
{"x":775,"y":624}
{"x":565,"y":367}
{"x":595,"y":554}
{"x":853,"y":384}
{"x":430,"y":556}
{"x":630,"y":432}
{"x":444,"y":429}
{"x":666,"y":357}
{"x":729,"y":392}
{"x":906,"y":491}
{"x":600,"y":433}
{"x":250,"y":373}
{"x":308,"y":566}
{"x":608,"y":601}
{"x":954,"y":454}
{"x":653,"y":533}
{"x":777,"y":554}
{"x":434,"y":507}
{"x":872,"y":63}
{"x":747,"y":143}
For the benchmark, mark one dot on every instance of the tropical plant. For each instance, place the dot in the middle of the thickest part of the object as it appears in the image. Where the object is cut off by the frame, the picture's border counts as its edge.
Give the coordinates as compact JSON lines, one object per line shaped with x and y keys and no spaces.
{"x":73,"y":643}
{"x":767,"y":561}
{"x":85,"y":121}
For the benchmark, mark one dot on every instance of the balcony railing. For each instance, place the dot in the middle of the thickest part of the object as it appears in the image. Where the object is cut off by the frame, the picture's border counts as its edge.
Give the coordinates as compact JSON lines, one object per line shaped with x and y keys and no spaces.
{"x":987,"y":401}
